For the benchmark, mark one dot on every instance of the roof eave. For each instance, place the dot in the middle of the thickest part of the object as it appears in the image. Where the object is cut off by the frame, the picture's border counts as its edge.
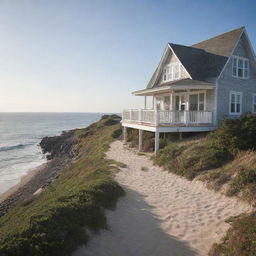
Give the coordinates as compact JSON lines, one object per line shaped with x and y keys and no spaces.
{"x":162,"y":89}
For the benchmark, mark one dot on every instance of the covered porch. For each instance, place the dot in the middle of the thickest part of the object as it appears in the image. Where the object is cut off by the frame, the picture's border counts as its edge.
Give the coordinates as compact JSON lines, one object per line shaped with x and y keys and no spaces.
{"x":173,"y":109}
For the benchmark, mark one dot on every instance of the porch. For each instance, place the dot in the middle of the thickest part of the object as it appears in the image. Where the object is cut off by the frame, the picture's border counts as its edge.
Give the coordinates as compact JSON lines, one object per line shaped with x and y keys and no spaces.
{"x":165,"y":118}
{"x":173,"y":108}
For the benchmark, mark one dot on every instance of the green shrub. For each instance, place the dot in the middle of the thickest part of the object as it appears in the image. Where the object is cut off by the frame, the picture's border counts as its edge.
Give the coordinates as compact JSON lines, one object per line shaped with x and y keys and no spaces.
{"x":243,"y":178}
{"x":235,"y":134}
{"x":191,"y":159}
{"x":55,"y":223}
{"x":240,"y":239}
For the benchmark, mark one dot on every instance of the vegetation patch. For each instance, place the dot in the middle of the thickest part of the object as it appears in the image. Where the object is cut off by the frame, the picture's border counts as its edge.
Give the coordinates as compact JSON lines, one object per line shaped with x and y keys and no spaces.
{"x":240,"y":238}
{"x":191,"y":158}
{"x":226,"y":160}
{"x":55,"y":222}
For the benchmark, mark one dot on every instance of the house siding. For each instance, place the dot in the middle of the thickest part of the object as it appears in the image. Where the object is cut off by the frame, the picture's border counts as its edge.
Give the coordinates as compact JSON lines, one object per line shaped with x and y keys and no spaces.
{"x":171,"y":59}
{"x":227,"y":83}
{"x":210,"y":100}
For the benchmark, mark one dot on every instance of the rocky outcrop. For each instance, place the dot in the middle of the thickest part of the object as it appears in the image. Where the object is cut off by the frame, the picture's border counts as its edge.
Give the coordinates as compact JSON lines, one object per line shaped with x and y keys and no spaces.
{"x":61,"y":151}
{"x":59,"y":146}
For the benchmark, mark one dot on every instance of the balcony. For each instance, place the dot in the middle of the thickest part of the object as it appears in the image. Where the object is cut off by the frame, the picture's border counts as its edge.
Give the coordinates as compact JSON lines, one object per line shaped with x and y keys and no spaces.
{"x":167,"y":118}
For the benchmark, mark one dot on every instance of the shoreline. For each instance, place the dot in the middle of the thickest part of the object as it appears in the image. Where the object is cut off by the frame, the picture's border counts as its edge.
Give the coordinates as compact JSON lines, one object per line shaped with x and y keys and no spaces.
{"x":24,"y":179}
{"x":61,"y":151}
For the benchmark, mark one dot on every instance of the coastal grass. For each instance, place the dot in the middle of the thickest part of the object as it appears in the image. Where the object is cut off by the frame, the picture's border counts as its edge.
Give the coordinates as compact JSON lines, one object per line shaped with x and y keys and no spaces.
{"x":56,"y":221}
{"x":240,"y":239}
{"x":226,"y":160}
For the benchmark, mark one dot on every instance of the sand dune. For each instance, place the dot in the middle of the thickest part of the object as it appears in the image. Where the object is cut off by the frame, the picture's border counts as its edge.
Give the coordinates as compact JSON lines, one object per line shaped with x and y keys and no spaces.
{"x":162,"y":214}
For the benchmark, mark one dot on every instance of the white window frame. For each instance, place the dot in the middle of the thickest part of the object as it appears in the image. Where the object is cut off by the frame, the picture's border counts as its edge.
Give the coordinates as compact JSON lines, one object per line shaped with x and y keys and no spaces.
{"x":243,"y":68}
{"x":253,"y":103}
{"x":241,"y":102}
{"x":172,"y":67}
{"x":198,"y":92}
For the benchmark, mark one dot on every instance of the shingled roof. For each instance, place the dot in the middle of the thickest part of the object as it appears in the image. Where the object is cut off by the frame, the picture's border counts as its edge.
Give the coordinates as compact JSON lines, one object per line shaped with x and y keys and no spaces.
{"x":222,"y":44}
{"x":205,"y":60}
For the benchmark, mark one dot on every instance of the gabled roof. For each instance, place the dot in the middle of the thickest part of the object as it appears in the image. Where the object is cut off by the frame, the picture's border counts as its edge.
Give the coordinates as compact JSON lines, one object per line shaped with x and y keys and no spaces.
{"x":200,"y":65}
{"x":223,"y":44}
{"x":205,"y":60}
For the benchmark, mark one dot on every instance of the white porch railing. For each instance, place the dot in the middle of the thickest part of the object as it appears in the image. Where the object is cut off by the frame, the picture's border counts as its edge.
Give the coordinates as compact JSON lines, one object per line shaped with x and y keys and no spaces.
{"x":167,"y":117}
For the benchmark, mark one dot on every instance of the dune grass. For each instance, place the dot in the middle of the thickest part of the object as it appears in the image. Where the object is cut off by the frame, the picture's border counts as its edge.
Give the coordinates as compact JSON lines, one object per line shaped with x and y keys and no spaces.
{"x":240,"y":239}
{"x":55,"y":223}
{"x":225,"y":158}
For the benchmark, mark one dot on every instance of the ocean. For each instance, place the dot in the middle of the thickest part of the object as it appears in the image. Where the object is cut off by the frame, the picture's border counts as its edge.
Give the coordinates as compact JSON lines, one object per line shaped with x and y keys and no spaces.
{"x":20,"y":134}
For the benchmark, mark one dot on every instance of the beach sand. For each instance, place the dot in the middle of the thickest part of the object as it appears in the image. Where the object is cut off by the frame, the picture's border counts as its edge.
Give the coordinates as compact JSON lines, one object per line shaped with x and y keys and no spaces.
{"x":162,"y":214}
{"x":23,"y":181}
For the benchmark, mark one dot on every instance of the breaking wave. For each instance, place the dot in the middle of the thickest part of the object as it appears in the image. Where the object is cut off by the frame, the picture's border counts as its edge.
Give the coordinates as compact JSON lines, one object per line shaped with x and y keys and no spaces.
{"x":12,"y":147}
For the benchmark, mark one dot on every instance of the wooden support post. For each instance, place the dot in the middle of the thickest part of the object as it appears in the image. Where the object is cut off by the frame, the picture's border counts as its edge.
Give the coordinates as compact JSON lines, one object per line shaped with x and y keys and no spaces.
{"x":156,"y":141}
{"x":125,"y":135}
{"x":140,"y":140}
{"x":145,"y":102}
{"x":180,"y":135}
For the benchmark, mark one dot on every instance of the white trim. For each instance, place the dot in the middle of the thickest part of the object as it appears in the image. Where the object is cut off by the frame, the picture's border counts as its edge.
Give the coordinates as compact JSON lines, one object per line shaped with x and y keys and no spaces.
{"x":171,"y":66}
{"x":216,"y":105}
{"x":158,"y":68}
{"x":250,"y":45}
{"x":241,"y":103}
{"x":167,"y":88}
{"x":187,"y":93}
{"x":253,"y":103}
{"x":230,"y":56}
{"x":170,"y":129}
{"x":237,"y":58}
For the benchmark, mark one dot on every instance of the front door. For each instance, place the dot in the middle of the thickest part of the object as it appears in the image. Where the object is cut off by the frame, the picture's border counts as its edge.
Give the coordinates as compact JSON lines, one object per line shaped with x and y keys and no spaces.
{"x":180,"y":102}
{"x":180,"y":107}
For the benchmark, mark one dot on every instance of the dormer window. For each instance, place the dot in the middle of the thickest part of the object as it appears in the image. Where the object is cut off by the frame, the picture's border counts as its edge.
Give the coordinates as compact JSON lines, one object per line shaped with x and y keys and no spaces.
{"x":240,"y":67}
{"x":171,"y":72}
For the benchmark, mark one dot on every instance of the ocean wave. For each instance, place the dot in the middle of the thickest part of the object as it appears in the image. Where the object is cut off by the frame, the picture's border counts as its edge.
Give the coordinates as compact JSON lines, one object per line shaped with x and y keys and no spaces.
{"x":13,"y":147}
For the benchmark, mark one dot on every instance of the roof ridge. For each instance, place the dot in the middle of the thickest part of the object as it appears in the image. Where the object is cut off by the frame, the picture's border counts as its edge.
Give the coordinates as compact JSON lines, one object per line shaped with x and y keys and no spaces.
{"x":188,"y":46}
{"x":236,"y":29}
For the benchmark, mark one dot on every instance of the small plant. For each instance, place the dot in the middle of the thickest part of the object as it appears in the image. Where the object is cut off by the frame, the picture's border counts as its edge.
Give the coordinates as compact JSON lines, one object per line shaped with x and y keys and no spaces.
{"x":243,"y":178}
{"x":144,"y":168}
{"x":240,"y":238}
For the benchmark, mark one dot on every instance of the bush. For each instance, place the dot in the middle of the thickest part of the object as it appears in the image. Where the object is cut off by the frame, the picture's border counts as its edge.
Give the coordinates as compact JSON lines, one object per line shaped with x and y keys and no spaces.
{"x":55,"y":223}
{"x":242,"y":179}
{"x":240,"y":239}
{"x":235,"y":134}
{"x":191,"y":159}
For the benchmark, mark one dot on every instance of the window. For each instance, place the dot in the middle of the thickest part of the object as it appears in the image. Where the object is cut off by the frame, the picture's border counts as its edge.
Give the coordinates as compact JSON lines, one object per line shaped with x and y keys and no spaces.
{"x":196,"y":102}
{"x":171,"y":72}
{"x":158,"y":103}
{"x":235,"y":103}
{"x":254,"y":103}
{"x":167,"y":102}
{"x":240,"y":67}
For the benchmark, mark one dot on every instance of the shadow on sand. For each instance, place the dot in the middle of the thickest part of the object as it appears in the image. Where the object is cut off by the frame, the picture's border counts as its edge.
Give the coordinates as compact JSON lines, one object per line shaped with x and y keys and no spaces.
{"x":133,"y":231}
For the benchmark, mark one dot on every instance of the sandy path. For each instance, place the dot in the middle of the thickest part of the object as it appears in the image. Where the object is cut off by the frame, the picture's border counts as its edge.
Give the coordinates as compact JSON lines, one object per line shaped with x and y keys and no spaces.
{"x":162,"y":214}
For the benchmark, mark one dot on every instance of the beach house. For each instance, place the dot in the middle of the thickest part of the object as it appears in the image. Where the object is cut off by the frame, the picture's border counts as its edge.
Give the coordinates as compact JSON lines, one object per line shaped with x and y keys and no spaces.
{"x":195,"y":87}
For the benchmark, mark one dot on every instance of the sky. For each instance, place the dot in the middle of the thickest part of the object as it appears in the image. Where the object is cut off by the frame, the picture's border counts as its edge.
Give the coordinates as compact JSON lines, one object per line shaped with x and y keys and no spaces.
{"x":89,"y":55}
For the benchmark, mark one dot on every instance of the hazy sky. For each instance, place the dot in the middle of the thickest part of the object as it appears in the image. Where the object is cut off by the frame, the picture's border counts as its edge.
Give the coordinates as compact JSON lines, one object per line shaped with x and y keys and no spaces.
{"x":89,"y":55}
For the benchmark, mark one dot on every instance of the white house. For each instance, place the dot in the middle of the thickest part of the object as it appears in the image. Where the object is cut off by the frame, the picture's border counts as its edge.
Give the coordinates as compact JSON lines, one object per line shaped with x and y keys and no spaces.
{"x":194,"y":87}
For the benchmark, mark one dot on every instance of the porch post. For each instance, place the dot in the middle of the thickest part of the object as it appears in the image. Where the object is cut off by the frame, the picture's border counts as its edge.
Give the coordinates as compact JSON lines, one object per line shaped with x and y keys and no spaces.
{"x":156,"y":141}
{"x":171,"y":100}
{"x":125,"y":135}
{"x":145,"y":102}
{"x":140,"y":140}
